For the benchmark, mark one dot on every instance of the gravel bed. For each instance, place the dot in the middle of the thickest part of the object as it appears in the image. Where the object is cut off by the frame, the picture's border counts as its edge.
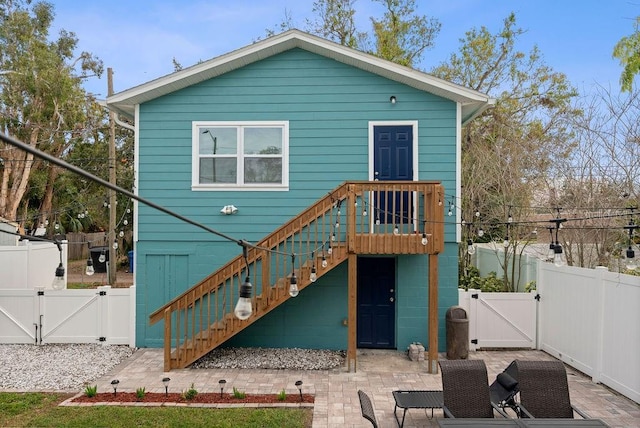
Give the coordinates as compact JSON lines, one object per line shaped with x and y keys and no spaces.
{"x":70,"y":367}
{"x":66,"y":367}
{"x":271,"y":358}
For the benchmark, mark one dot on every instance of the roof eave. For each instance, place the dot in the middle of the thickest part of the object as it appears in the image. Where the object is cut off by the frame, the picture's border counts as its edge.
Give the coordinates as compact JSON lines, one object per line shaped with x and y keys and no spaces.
{"x":124,"y":102}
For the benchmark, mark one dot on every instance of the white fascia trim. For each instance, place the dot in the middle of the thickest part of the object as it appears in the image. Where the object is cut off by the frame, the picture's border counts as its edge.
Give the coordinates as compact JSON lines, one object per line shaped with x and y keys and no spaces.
{"x":136,"y":180}
{"x":458,"y":172}
{"x":285,"y":41}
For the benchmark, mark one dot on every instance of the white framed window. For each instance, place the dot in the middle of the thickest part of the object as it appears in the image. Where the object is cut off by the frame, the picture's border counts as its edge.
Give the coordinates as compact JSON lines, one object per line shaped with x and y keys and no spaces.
{"x":240,"y":156}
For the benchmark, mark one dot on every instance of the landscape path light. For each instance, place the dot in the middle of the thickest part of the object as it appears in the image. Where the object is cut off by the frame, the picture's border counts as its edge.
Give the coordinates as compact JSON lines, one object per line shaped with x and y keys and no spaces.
{"x":165,"y":382}
{"x":221,"y":382}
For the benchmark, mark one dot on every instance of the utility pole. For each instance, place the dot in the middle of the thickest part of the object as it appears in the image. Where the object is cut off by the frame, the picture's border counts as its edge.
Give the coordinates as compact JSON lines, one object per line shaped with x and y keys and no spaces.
{"x":111,"y":235}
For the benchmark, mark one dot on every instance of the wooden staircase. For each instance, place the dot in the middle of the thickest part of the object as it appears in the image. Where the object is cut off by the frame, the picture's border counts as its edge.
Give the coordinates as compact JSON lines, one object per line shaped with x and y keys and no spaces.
{"x":356,"y":218}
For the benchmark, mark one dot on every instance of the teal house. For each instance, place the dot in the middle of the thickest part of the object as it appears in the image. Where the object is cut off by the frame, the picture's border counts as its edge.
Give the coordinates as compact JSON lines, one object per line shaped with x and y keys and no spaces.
{"x":318,"y":177}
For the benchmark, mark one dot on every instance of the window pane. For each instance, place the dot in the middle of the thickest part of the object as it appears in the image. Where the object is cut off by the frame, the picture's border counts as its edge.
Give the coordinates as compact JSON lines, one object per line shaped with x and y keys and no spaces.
{"x":218,"y":141}
{"x":218,"y":170}
{"x":262,"y":141}
{"x":263,"y":170}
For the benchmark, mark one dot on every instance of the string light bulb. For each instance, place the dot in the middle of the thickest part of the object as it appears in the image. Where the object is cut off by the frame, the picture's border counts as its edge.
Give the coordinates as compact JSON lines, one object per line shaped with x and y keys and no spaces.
{"x":631,"y":261}
{"x":243,"y":308}
{"x":329,"y":249}
{"x":471,"y":249}
{"x":558,"y":259}
{"x":324,"y":261}
{"x":313,"y":276}
{"x":58,"y":280}
{"x":293,"y":285}
{"x":103,"y":257}
{"x":89,"y":270}
{"x":424,"y":240}
{"x":396,"y":230}
{"x":293,"y":282}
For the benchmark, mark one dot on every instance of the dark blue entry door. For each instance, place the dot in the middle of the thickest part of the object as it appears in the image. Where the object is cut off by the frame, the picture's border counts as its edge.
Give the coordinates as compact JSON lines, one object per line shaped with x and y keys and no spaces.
{"x":376,"y":302}
{"x":392,"y":160}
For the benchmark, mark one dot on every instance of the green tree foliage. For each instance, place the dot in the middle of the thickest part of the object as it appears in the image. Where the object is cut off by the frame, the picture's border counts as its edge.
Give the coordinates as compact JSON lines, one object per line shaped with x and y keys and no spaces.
{"x":402,"y":36}
{"x":627,"y":50}
{"x":334,"y":20}
{"x":41,"y":101}
{"x":508,"y":152}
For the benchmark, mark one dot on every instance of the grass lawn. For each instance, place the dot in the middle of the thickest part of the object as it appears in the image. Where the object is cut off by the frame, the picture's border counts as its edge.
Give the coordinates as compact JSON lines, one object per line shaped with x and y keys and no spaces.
{"x":41,"y":410}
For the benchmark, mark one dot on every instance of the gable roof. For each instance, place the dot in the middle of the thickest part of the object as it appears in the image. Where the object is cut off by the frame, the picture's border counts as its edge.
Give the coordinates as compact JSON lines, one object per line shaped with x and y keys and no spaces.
{"x":472,"y":102}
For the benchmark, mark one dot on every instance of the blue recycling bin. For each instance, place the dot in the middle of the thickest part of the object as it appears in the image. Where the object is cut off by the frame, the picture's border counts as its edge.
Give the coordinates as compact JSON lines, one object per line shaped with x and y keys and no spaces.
{"x":130,"y":255}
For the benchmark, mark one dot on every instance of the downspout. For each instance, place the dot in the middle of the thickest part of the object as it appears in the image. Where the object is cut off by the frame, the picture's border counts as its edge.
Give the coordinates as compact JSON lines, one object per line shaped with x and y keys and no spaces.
{"x":103,"y":103}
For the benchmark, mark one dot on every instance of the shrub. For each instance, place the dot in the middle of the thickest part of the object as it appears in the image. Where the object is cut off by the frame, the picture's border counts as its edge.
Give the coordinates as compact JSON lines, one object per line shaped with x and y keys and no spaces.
{"x":91,"y":391}
{"x":140,"y":393}
{"x":191,"y":393}
{"x":238,"y":394}
{"x":282,"y":396}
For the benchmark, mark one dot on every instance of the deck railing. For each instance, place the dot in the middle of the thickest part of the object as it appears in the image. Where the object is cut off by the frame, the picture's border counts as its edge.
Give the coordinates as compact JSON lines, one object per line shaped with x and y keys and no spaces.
{"x":380,"y":217}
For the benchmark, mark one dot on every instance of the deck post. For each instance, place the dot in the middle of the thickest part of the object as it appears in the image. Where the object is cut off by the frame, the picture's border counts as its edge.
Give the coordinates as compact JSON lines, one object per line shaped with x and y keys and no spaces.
{"x":433,"y":313}
{"x":351,"y":311}
{"x":167,"y":339}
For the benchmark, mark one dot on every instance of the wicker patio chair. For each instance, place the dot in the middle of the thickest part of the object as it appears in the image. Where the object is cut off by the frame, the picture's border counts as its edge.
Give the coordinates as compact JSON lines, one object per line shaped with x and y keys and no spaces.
{"x":465,"y":390}
{"x":544,"y":390}
{"x":504,"y":389}
{"x":367,"y":408}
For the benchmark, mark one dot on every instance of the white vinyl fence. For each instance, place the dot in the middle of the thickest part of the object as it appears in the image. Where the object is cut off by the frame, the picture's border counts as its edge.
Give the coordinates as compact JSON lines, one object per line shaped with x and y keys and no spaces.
{"x":588,"y":318}
{"x":30,"y":264}
{"x":103,"y":315}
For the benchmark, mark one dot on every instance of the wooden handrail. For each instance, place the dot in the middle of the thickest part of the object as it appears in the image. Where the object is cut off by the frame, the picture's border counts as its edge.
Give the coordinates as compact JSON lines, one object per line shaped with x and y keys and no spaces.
{"x":357,"y":217}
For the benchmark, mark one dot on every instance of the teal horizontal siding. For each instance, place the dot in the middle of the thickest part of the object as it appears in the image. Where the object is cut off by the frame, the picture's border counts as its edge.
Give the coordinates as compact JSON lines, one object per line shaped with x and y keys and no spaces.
{"x":328,"y":106}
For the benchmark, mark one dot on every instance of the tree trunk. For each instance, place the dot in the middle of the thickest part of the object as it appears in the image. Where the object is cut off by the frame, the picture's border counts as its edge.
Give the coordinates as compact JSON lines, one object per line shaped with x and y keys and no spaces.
{"x":47,"y":201}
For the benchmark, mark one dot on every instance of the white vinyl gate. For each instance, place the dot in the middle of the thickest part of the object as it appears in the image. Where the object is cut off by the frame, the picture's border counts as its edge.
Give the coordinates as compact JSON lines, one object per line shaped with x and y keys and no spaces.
{"x":500,"y":320}
{"x":97,"y":315}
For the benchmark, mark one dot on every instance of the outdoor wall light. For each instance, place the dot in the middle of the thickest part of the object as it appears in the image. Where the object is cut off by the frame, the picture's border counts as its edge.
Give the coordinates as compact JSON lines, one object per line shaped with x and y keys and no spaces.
{"x":114,"y":385}
{"x":229,"y":209}
{"x":299,"y":386}
{"x":165,"y":382}
{"x":393,"y":99}
{"x":221,"y":383}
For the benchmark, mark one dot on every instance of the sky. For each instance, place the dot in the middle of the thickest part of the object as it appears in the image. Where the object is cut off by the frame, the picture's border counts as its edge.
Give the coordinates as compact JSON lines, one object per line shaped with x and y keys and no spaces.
{"x":138,"y":39}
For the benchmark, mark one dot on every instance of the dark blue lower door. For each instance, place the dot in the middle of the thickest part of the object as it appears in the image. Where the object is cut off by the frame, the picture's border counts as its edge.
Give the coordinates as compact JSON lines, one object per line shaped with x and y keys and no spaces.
{"x":392,"y":160}
{"x":376,"y":302}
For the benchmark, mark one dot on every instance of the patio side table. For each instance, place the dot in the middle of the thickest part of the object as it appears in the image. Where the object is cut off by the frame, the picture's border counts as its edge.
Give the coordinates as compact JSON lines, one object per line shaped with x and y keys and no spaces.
{"x":413,"y":399}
